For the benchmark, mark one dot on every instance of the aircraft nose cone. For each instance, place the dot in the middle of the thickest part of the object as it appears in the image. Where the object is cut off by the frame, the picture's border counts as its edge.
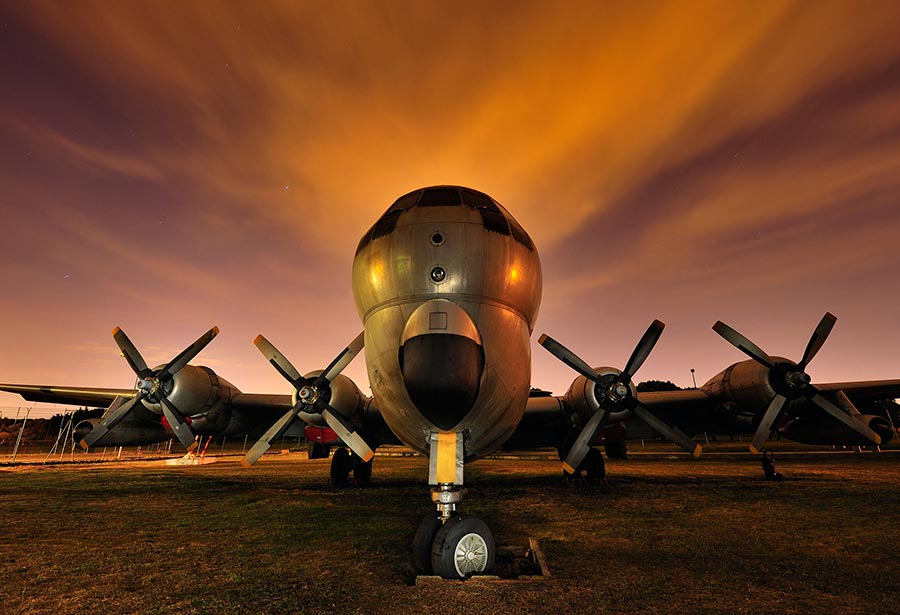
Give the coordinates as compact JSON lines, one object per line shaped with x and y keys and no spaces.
{"x":442,"y":374}
{"x":441,"y":360}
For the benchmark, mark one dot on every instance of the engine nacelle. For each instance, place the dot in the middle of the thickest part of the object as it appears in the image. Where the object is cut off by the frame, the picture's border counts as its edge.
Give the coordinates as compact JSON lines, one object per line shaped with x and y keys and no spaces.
{"x":746,"y":383}
{"x":199,"y":393}
{"x":346,"y":398}
{"x":581,"y":398}
{"x":832,"y":431}
{"x":125,"y":433}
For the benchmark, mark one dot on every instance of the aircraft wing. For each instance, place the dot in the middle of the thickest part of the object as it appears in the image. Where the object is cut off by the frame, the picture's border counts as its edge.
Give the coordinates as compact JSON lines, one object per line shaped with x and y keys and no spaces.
{"x":258,"y":411}
{"x":866,"y":390}
{"x":686,"y":399}
{"x":76,"y":396}
{"x":262,"y":402}
{"x":544,"y":409}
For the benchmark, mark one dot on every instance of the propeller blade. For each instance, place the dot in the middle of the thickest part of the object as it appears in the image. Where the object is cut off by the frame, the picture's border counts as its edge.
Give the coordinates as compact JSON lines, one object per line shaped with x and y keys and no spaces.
{"x":176,"y":422}
{"x":568,"y":357}
{"x":344,"y":358}
{"x":345,"y":432}
{"x":131,"y":354}
{"x":843,"y":417}
{"x":279,"y":361}
{"x":273,"y":433}
{"x":765,"y":425}
{"x":582,"y":443}
{"x":743,"y":344}
{"x":186,"y":355}
{"x":118,"y":410}
{"x":818,"y":338}
{"x":671,"y":433}
{"x":642,"y":350}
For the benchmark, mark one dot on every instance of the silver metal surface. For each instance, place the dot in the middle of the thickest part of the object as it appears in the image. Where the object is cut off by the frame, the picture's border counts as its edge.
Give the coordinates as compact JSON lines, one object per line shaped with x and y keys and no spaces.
{"x":470,"y":555}
{"x":491,"y":277}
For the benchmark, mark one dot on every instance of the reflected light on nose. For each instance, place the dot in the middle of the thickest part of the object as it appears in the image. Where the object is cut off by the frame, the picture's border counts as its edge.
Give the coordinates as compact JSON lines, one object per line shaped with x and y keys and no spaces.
{"x":376,"y":275}
{"x":513,"y":275}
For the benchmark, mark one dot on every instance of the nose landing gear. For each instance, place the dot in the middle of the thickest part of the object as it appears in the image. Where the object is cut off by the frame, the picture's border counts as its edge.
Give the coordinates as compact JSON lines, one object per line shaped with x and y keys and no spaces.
{"x":452,"y":546}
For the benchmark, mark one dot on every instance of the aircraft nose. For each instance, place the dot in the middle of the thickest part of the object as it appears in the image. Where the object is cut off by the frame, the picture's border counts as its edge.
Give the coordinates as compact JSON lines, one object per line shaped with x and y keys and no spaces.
{"x":442,"y":359}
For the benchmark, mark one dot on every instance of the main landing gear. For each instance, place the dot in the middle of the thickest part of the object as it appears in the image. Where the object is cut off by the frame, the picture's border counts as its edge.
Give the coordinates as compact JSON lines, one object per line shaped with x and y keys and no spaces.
{"x":344,"y":463}
{"x":450,"y":545}
{"x":591,"y":472}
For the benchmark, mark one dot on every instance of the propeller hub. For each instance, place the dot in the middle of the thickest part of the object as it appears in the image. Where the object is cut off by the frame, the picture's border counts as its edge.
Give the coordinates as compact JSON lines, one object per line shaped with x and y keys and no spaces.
{"x":620,"y":391}
{"x":797,"y":379}
{"x":308,"y":394}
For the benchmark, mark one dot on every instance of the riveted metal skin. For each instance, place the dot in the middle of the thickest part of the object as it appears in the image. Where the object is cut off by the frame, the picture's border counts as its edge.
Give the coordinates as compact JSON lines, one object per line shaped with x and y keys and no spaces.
{"x":495,"y":278}
{"x":746,"y":383}
{"x":346,"y":398}
{"x":581,"y":398}
{"x":197,"y":390}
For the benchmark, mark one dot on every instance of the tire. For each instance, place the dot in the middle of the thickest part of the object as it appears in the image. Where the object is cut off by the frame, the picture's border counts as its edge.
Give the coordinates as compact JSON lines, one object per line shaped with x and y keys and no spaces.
{"x":317,"y":450}
{"x":422,"y":542}
{"x":362,"y":472}
{"x":458,"y":537}
{"x":617,"y":449}
{"x":594,"y":467}
{"x":341,"y":464}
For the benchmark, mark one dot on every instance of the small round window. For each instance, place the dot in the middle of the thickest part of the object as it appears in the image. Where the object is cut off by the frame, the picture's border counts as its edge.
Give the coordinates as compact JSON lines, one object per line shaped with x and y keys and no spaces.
{"x":438,"y":274}
{"x":437,"y":238}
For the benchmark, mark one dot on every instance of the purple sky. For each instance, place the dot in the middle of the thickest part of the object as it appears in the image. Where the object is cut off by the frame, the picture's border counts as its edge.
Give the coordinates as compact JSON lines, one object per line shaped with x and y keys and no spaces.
{"x":170,"y":166}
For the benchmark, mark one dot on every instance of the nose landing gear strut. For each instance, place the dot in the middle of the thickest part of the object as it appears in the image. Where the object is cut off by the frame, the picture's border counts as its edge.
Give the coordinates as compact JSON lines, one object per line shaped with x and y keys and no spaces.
{"x":446,"y":543}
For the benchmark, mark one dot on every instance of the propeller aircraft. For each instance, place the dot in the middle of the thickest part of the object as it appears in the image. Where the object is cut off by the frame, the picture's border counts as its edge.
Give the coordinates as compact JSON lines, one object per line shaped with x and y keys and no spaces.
{"x":448,"y":285}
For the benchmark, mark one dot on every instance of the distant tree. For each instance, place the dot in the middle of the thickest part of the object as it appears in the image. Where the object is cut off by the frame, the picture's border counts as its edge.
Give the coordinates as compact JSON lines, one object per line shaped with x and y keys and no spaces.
{"x":657,"y":385}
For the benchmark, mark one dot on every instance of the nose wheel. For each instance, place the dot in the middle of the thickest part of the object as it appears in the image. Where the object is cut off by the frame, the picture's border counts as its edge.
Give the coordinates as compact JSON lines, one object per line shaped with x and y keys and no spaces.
{"x":452,"y":546}
{"x":462,"y":547}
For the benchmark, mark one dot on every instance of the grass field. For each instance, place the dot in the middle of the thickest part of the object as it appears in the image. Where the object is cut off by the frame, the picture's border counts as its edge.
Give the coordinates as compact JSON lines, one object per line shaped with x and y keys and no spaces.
{"x":667,"y":536}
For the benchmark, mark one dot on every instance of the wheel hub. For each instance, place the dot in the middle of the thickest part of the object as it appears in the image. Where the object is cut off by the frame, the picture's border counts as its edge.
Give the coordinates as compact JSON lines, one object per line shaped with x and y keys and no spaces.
{"x":471,"y":554}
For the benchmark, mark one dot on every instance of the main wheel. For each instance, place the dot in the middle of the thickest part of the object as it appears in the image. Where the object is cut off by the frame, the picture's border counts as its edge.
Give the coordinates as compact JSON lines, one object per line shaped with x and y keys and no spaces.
{"x":462,"y":547}
{"x":422,"y":542}
{"x":317,"y":450}
{"x":594,"y":468}
{"x":362,"y":471}
{"x":616,"y":449}
{"x":341,"y":464}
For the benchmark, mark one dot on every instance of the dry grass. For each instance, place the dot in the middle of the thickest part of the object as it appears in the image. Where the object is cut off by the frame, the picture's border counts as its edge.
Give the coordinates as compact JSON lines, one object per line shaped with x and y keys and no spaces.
{"x":667,"y":536}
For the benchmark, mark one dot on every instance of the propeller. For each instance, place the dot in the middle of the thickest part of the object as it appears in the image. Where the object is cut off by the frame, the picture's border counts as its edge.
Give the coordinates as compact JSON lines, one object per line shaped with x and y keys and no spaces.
{"x":615,"y":392}
{"x":312,"y":396}
{"x":790,"y":380}
{"x":151,"y":386}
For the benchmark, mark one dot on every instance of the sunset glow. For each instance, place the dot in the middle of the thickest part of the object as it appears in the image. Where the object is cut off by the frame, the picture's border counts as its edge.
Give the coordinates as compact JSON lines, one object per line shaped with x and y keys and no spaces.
{"x":167,"y":167}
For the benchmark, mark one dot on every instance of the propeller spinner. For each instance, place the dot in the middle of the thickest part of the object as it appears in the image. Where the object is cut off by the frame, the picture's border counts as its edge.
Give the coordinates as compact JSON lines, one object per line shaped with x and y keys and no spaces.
{"x":153,"y":385}
{"x":312,"y":396}
{"x":791,"y":381}
{"x":615,"y":392}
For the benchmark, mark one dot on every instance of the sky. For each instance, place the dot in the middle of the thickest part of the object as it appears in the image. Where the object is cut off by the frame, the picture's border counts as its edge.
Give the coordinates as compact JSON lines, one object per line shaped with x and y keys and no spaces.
{"x":166,"y":167}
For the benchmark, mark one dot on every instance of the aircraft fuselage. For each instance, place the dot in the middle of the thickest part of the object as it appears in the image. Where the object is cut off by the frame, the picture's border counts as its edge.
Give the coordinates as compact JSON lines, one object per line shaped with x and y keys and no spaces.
{"x":448,"y":287}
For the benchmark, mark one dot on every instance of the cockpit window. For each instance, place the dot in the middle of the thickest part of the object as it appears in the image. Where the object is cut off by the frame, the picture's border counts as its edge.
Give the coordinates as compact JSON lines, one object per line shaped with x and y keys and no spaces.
{"x":475,"y":199}
{"x":437,"y":197}
{"x":387,"y":223}
{"x":493,"y":217}
{"x":405,"y":202}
